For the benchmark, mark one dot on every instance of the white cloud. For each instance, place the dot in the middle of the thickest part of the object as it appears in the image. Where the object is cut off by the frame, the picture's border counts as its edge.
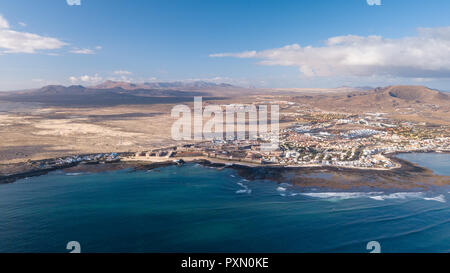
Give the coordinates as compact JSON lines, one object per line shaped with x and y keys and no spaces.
{"x":122,"y":72}
{"x":73,"y":2}
{"x":150,"y":79}
{"x":85,"y":51}
{"x":22,"y":24}
{"x":122,"y":78}
{"x":86,"y":79}
{"x":245,"y":54}
{"x":426,"y":55}
{"x":120,"y":75}
{"x":3,"y":22}
{"x":23,"y":42}
{"x":374,"y":2}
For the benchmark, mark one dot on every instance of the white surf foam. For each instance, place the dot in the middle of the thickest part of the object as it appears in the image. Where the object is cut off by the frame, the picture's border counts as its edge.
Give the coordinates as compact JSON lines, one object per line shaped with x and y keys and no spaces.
{"x":340,"y":195}
{"x":439,"y":198}
{"x":398,"y":195}
{"x":244,"y":189}
{"x":379,"y":196}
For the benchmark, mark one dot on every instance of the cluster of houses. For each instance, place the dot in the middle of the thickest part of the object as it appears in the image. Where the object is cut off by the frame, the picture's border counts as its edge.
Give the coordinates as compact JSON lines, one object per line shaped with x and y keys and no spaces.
{"x":74,"y":160}
{"x":360,"y":133}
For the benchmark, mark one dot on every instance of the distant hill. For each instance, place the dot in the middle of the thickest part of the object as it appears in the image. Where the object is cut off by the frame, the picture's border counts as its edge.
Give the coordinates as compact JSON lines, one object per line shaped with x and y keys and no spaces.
{"x":115,"y":84}
{"x":342,"y":98}
{"x":81,"y":90}
{"x":398,"y":94}
{"x":414,"y":93}
{"x":390,"y":99}
{"x":117,"y":92}
{"x":88,"y":96}
{"x":178,"y":85}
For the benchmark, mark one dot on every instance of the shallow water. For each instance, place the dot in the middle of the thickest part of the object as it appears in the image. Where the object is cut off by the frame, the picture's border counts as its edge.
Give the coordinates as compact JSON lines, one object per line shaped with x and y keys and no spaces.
{"x":200,"y":209}
{"x":439,"y":163}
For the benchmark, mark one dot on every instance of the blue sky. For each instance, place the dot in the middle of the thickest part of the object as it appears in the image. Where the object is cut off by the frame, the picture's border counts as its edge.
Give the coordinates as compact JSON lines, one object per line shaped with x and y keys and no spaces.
{"x":237,"y":41}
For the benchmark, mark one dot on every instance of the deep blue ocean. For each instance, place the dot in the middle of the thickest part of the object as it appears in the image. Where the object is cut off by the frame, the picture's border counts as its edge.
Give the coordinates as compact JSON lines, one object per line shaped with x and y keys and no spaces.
{"x":200,"y":209}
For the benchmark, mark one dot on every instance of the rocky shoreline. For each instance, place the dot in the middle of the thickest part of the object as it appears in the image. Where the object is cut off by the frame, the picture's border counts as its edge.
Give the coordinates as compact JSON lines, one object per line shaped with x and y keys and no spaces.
{"x":407,"y":176}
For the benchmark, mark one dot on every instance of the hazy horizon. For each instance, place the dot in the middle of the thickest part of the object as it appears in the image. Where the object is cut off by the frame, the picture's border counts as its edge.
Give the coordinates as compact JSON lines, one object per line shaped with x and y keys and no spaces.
{"x":218,"y":84}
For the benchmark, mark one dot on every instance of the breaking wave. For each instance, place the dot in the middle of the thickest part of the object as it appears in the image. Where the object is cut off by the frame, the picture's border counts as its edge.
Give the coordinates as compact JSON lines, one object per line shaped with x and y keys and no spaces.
{"x":380,"y":196}
{"x":244,"y":189}
{"x":439,"y":198}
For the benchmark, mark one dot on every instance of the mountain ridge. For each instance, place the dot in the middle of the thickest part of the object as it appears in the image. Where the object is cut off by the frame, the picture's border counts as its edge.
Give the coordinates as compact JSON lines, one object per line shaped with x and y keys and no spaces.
{"x":189,"y":85}
{"x":120,"y":92}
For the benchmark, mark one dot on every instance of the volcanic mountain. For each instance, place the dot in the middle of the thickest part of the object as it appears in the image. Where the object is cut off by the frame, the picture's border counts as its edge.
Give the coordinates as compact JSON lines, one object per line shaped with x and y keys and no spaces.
{"x":415,"y":93}
{"x":398,"y":95}
{"x":390,"y":97}
{"x":422,"y":103}
{"x":343,"y":99}
{"x":77,"y":95}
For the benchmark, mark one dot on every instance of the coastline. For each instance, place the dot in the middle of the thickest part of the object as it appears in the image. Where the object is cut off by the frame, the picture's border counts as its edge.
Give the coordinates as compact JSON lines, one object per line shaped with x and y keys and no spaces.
{"x":406,"y":176}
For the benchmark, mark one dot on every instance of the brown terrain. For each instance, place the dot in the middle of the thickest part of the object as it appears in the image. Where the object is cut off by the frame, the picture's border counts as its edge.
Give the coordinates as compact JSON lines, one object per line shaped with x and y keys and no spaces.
{"x":409,"y":103}
{"x":57,"y":121}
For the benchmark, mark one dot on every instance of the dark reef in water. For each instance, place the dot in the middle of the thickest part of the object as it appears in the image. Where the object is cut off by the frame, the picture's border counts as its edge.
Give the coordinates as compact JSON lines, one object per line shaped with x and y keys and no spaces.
{"x":409,"y":176}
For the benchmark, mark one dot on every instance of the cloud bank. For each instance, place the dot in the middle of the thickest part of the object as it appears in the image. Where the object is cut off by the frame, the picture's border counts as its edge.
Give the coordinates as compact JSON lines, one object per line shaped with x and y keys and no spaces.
{"x":23,"y":42}
{"x":119,"y":75}
{"x":426,"y":55}
{"x":86,"y":79}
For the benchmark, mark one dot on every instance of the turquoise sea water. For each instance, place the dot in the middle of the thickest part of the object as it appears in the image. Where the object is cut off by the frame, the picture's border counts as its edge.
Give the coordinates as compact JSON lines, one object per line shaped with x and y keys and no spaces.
{"x":199,"y":209}
{"x":438,"y":162}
